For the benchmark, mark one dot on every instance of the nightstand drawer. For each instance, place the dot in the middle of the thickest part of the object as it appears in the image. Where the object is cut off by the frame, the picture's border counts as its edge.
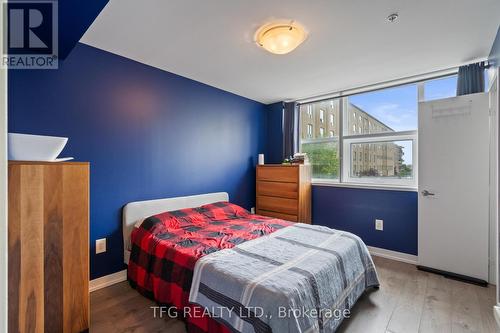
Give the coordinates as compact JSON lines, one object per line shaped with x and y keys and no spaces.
{"x":276,"y":189}
{"x":279,"y":205}
{"x":282,"y":216}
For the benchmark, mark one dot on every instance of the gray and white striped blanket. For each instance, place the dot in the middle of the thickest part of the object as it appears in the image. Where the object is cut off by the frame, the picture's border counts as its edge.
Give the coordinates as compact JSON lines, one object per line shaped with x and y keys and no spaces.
{"x":301,"y":278}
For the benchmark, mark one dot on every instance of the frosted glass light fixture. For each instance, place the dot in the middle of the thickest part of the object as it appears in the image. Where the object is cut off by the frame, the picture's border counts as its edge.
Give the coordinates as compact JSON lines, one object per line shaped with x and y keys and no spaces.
{"x":280,"y":38}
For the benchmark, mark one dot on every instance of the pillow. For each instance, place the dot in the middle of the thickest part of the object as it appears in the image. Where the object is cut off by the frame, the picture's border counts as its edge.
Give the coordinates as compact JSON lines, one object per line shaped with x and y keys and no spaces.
{"x":189,"y":216}
{"x":223,"y":210}
{"x":167,"y":219}
{"x":159,"y":223}
{"x":173,"y":220}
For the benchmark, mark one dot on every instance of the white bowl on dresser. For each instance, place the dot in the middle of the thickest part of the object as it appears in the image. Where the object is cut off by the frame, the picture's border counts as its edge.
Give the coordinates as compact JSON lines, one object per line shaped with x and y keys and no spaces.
{"x":28,"y":147}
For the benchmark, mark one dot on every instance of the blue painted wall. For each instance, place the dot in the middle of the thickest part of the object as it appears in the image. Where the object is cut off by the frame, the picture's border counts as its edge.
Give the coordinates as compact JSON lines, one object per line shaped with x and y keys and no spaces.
{"x":355,"y":210}
{"x":147,"y":133}
{"x":274,"y":148}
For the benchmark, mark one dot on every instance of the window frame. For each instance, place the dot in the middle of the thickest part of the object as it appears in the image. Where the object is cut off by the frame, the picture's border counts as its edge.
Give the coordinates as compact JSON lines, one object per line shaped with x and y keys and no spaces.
{"x":344,"y":179}
{"x":346,"y":164}
{"x":344,"y":158}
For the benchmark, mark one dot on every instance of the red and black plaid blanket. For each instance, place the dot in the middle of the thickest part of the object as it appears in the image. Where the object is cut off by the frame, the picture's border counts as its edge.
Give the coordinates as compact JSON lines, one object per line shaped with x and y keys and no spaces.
{"x":166,"y":247}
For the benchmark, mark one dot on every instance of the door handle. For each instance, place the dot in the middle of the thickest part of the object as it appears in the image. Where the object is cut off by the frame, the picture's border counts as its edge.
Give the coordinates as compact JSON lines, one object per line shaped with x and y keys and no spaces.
{"x":426,"y":193}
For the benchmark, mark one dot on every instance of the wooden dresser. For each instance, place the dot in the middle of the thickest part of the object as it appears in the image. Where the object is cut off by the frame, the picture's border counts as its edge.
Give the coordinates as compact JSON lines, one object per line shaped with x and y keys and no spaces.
{"x":284,"y":191}
{"x":48,"y":247}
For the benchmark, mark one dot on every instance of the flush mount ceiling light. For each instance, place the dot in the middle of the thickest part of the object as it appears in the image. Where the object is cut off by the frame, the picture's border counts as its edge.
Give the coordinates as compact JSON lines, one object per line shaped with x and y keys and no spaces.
{"x":280,"y":38}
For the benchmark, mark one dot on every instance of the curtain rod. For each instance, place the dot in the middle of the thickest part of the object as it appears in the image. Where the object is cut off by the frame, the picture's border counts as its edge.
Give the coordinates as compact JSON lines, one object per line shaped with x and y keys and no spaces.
{"x":385,"y":84}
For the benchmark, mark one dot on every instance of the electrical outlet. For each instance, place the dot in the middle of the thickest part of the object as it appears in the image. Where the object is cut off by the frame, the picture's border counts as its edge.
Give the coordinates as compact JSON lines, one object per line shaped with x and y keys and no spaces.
{"x":100,"y":245}
{"x":379,"y":225}
{"x":252,"y":210}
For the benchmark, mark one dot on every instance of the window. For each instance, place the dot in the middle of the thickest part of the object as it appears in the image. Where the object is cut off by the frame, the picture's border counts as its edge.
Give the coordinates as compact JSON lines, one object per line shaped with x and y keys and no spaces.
{"x":386,"y":110}
{"x":440,"y":88}
{"x":384,"y":125}
{"x":393,"y":164}
{"x":443,"y":87}
{"x":323,"y":152}
{"x":377,"y":136}
{"x":309,"y":111}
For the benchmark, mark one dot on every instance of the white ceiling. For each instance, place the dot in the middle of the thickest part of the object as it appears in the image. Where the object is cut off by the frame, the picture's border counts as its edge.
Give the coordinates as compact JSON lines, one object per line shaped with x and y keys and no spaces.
{"x":350,"y":42}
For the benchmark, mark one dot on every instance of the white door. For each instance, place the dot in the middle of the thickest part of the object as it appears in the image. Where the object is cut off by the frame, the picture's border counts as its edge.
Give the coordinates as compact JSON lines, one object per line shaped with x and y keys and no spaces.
{"x":453,"y":184}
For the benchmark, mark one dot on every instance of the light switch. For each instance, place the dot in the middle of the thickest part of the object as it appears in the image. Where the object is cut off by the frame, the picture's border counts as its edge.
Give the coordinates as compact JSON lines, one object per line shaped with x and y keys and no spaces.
{"x":379,"y":225}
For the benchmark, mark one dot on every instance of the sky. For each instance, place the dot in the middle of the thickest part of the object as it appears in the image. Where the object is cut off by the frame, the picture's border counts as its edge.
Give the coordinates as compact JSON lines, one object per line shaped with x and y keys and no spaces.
{"x":398,"y":107}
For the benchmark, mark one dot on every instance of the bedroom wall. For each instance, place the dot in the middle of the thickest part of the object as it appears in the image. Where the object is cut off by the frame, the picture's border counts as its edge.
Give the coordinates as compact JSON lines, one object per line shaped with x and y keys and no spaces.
{"x":147,"y":134}
{"x":355,"y":210}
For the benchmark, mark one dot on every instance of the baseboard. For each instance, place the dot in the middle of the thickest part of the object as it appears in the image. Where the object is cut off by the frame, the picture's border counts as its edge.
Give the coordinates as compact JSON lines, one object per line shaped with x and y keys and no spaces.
{"x":393,"y":255}
{"x":107,"y":280}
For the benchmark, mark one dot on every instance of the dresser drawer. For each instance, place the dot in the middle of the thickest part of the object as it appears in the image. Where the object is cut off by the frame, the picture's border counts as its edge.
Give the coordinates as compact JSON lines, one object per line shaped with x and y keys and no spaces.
{"x":277,"y":189}
{"x":278,"y":174}
{"x":279,"y":205}
{"x":282,"y":216}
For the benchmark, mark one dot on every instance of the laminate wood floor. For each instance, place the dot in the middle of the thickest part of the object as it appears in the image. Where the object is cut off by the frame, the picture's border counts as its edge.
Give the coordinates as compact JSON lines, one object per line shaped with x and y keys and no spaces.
{"x":408,"y":301}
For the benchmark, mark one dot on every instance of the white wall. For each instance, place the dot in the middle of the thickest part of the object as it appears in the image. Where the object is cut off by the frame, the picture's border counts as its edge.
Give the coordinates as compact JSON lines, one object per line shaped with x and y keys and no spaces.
{"x":497,"y":238}
{"x":493,"y":179}
{"x":3,"y":185}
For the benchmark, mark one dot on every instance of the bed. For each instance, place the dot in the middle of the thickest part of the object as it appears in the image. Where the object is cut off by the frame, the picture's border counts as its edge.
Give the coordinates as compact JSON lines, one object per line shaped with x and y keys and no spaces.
{"x":222,"y":269}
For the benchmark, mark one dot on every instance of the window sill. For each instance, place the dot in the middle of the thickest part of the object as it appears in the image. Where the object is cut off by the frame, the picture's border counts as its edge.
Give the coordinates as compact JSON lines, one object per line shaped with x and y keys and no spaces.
{"x":317,"y":182}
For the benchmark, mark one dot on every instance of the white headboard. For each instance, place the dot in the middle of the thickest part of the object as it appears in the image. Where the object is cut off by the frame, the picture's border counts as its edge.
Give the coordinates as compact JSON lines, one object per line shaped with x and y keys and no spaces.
{"x":135,"y":211}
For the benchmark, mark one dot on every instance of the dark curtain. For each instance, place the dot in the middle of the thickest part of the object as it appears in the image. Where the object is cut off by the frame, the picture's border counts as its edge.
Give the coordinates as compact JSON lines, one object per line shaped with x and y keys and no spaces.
{"x":470,"y":79}
{"x":290,"y":129}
